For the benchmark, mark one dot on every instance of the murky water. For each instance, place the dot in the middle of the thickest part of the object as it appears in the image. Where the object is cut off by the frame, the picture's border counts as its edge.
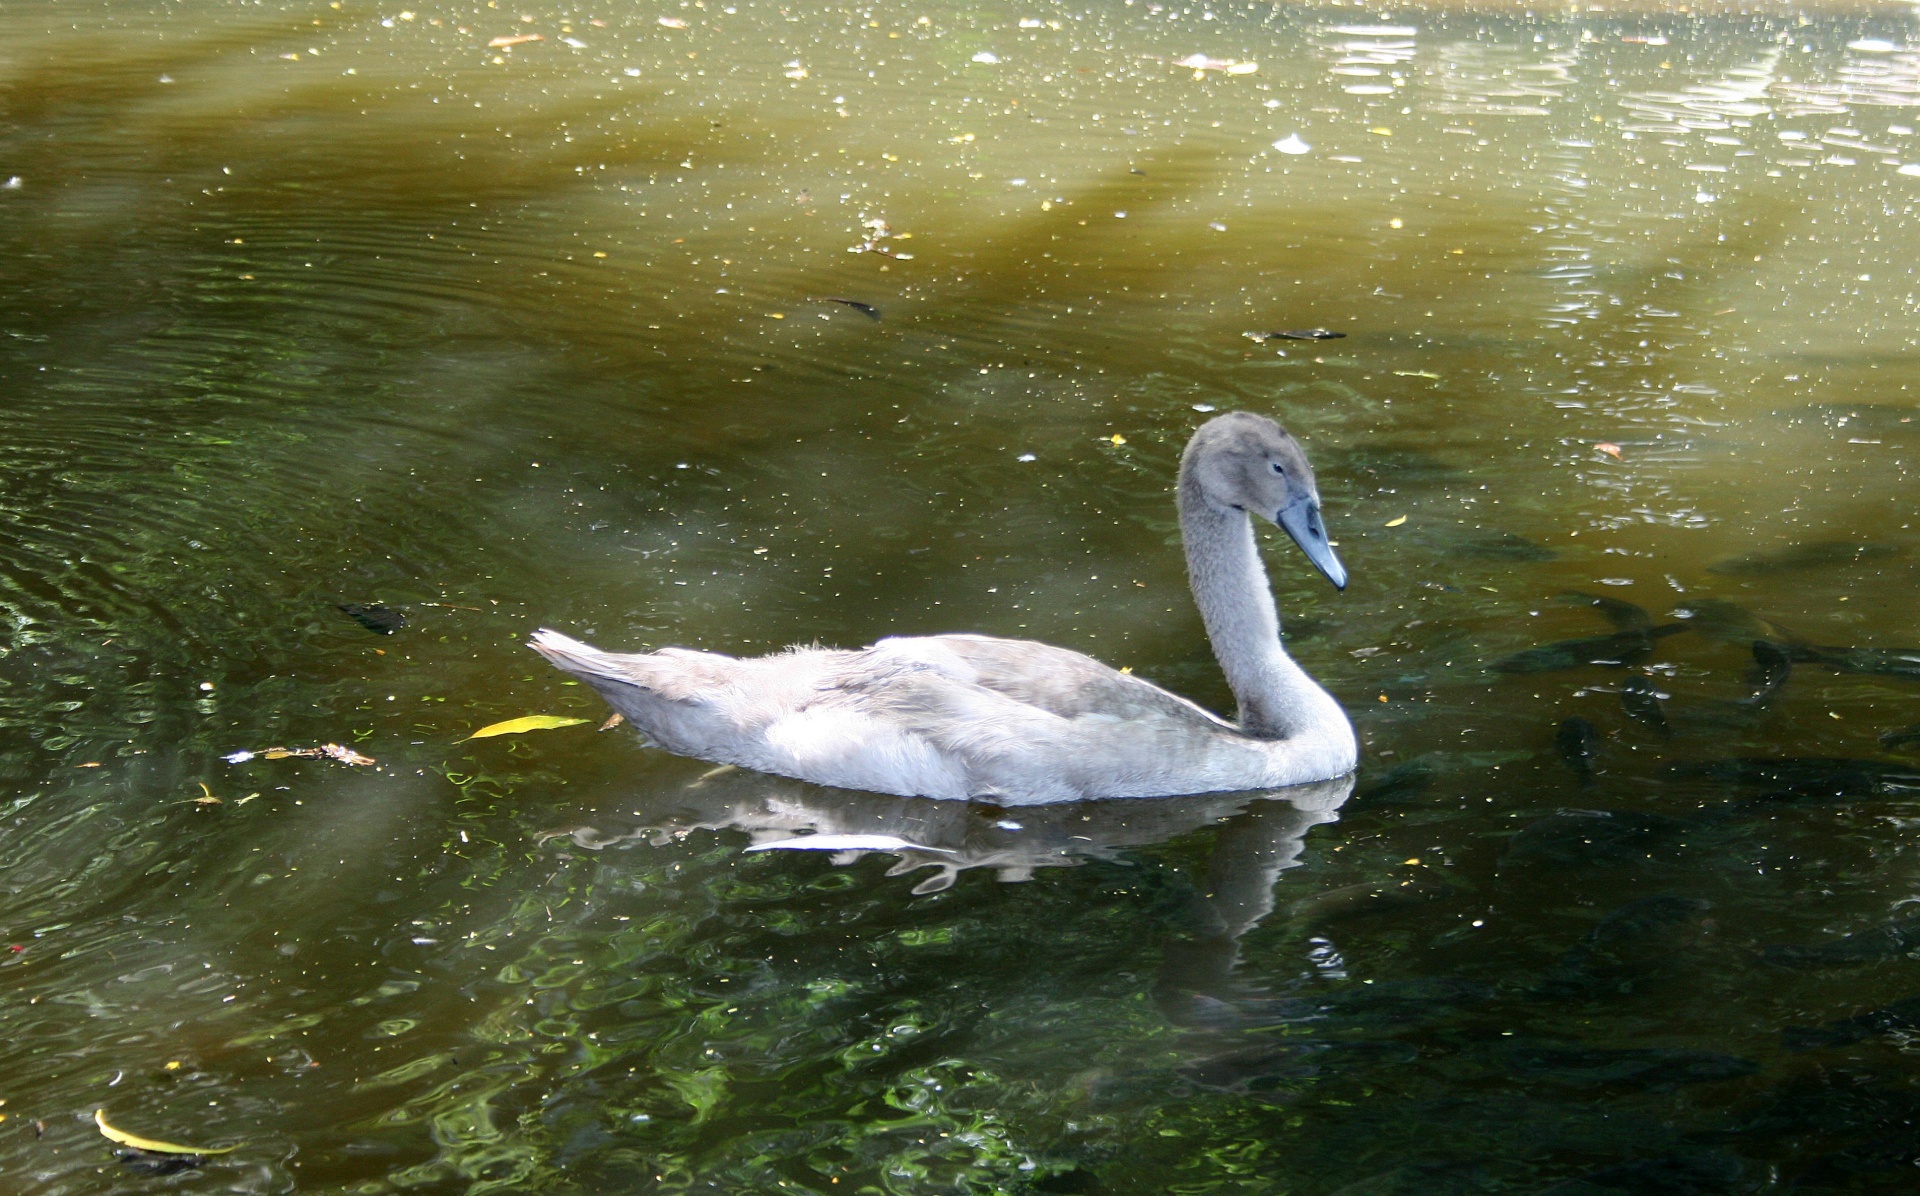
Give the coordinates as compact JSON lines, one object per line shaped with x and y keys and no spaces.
{"x":322,"y":304}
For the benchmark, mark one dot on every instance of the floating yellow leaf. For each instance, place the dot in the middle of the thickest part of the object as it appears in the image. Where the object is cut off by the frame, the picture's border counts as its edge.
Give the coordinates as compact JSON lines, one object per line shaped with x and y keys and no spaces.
{"x":150,"y":1145}
{"x":1396,"y":522}
{"x":532,"y":722}
{"x":1116,"y":438}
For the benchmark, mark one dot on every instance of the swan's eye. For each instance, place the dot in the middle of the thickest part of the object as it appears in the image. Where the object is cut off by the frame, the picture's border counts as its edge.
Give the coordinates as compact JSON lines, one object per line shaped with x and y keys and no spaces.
{"x":1277,"y":469}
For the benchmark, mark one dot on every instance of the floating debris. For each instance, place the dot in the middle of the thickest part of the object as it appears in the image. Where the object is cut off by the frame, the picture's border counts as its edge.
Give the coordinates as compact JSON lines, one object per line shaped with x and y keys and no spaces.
{"x":1295,"y":334}
{"x":1291,"y":144}
{"x":153,"y":1145}
{"x":516,"y":39}
{"x":673,"y":22}
{"x":613,"y":720}
{"x":866,"y":309}
{"x":326,"y":751}
{"x":381,"y":620}
{"x":531,"y":722}
{"x":1610,"y":449}
{"x":878,"y":231}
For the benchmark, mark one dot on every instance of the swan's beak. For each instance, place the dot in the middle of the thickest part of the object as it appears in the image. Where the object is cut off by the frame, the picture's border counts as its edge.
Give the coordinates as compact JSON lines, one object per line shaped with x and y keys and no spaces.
{"x":1301,"y":520}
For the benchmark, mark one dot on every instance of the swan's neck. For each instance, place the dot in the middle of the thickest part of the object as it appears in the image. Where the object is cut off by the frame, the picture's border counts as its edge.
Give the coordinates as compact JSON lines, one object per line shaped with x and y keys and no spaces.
{"x":1278,"y":700}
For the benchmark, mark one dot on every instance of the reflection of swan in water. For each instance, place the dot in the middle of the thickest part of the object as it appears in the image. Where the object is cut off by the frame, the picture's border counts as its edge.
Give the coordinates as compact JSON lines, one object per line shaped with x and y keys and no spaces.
{"x":1261,"y":834}
{"x":1020,"y":723}
{"x":1263,"y":831}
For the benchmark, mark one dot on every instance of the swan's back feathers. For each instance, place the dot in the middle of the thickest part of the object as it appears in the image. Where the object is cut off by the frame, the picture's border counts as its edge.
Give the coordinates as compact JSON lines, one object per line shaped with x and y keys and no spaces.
{"x":1058,"y":681}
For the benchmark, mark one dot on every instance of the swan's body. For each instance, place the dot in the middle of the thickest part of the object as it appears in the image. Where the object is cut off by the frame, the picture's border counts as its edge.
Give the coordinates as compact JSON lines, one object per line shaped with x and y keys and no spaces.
{"x":1015,"y":722}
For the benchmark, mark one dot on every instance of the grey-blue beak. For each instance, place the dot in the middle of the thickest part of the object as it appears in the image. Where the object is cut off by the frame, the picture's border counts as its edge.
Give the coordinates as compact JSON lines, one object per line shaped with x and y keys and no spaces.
{"x":1301,"y":520}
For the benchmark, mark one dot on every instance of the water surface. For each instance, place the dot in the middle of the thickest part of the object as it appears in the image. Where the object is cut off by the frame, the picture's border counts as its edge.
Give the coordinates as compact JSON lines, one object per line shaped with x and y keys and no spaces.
{"x":334,"y":303}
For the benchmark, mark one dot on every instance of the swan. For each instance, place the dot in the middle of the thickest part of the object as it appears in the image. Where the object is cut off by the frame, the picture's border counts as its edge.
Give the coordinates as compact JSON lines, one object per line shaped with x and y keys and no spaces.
{"x":1017,"y":722}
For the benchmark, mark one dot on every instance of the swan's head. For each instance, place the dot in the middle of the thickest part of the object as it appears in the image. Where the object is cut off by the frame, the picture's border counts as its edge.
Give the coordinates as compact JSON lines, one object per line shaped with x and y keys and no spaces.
{"x":1246,"y":462}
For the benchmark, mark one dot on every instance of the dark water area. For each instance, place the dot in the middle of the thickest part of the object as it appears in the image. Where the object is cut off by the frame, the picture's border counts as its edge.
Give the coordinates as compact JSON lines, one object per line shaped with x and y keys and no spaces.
{"x":335,"y":305}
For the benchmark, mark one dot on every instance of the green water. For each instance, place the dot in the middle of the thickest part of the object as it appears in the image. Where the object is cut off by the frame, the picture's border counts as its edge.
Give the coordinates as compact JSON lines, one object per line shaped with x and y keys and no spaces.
{"x":318,"y":304}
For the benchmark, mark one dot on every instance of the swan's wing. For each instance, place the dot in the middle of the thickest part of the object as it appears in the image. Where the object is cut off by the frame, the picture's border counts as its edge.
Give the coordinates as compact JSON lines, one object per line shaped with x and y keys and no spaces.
{"x":1027,"y":723}
{"x":1056,"y":681}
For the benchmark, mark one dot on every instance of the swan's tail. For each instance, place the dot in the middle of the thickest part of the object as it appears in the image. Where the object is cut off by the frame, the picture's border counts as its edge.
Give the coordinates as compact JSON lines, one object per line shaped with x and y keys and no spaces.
{"x":569,"y":655}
